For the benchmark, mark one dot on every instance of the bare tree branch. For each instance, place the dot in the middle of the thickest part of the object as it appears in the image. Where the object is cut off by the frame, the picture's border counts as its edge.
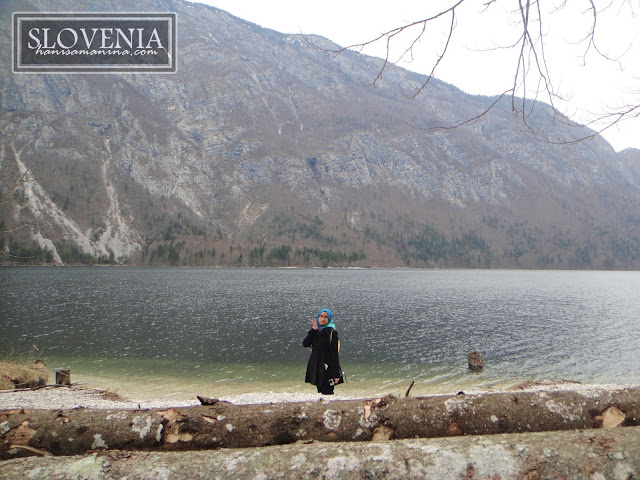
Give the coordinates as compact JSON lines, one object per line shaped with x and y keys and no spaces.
{"x":532,"y":77}
{"x":440,"y":57}
{"x":390,"y":35}
{"x":612,"y":119}
{"x":469,"y":121}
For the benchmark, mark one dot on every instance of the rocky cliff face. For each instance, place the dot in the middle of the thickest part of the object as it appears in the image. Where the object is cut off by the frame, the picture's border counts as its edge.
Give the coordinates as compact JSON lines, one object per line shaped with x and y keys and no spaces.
{"x":264,"y":149}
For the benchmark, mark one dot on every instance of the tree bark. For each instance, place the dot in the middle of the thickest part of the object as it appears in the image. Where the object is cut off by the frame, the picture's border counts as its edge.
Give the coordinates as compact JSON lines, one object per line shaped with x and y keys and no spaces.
{"x":570,"y":455}
{"x":224,"y":425}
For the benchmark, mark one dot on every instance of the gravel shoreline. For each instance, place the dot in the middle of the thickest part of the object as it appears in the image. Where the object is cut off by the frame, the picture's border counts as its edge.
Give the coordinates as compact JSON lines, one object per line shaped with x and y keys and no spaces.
{"x":67,"y":398}
{"x":74,"y":397}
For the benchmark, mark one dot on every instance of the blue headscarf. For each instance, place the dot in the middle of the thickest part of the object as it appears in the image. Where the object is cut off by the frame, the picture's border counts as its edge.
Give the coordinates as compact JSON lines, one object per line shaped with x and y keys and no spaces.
{"x":330,"y":324}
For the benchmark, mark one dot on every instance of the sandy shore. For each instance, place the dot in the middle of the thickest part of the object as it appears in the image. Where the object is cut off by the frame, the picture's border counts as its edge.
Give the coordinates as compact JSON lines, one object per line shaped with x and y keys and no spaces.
{"x":66,"y":398}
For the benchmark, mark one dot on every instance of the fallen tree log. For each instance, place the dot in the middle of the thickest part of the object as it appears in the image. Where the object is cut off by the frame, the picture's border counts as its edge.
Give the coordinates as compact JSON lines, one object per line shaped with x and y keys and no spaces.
{"x":224,"y":425}
{"x":571,"y":455}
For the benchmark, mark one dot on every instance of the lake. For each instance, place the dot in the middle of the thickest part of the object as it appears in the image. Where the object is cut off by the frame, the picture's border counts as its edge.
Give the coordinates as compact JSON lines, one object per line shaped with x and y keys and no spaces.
{"x":217,"y":331}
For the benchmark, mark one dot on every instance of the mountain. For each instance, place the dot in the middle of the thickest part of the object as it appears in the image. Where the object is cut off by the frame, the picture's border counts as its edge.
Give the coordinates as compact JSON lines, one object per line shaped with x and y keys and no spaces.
{"x":264,"y":149}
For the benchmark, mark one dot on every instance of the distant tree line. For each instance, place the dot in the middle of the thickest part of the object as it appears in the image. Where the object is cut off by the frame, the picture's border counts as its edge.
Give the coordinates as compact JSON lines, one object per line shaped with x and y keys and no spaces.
{"x":433,"y":248}
{"x":176,"y":253}
{"x":33,"y":255}
{"x":69,"y":253}
{"x":285,"y":255}
{"x":523,"y":245}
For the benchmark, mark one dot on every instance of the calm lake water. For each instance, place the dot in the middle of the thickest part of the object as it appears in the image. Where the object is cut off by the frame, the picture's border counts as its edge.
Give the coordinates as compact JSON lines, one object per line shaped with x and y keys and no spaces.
{"x":221,"y":331}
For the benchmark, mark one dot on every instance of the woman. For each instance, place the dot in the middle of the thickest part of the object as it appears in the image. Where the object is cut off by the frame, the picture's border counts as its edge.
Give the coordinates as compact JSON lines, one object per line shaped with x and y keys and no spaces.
{"x":323,"y":369}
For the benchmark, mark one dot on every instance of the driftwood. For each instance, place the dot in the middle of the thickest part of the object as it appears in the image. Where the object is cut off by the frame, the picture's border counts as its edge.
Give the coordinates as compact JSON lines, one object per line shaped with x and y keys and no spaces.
{"x":39,"y":387}
{"x":569,"y":455}
{"x":409,"y":389}
{"x":224,"y":425}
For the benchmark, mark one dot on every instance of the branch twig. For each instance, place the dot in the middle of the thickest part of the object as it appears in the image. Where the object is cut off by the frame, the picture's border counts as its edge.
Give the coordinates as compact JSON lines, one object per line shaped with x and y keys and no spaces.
{"x":410,"y":387}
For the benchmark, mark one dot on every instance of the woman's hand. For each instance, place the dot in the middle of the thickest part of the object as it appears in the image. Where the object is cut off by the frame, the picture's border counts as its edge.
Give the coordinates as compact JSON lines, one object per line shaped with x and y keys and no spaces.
{"x":314,"y":324}
{"x":336,"y":380}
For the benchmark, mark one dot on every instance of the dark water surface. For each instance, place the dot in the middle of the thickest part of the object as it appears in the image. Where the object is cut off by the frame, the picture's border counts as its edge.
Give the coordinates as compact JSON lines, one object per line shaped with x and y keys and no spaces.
{"x":232,"y":330}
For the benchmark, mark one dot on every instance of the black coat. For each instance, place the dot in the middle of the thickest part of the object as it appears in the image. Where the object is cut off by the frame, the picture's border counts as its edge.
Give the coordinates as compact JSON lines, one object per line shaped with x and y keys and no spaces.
{"x":324,"y":350}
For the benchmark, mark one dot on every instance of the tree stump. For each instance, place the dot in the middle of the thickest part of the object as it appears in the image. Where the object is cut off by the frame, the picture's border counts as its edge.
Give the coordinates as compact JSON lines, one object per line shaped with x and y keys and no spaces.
{"x":63,"y":377}
{"x":475,"y":360}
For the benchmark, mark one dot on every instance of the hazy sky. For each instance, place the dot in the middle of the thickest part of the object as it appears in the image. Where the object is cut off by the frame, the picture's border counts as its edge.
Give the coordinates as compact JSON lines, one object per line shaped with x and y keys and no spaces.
{"x":475,"y":61}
